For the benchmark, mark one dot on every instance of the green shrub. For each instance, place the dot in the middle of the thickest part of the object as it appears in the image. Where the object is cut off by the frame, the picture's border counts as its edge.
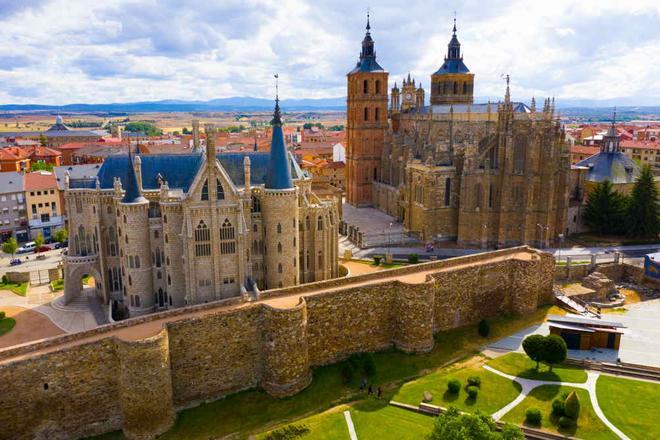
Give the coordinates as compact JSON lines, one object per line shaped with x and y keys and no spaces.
{"x":288,"y":432}
{"x":533,"y":416}
{"x":5,"y":280}
{"x":565,"y":422}
{"x":558,"y":407}
{"x":368,"y":365}
{"x":484,"y":328}
{"x":572,"y":406}
{"x":454,"y":386}
{"x":413,"y":258}
{"x":472,"y":391}
{"x":346,"y":372}
{"x":474,"y":381}
{"x":2,"y":316}
{"x":377,"y":259}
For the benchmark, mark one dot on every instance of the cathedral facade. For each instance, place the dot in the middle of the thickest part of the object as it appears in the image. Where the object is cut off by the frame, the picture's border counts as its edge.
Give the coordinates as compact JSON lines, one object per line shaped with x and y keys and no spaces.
{"x":164,"y":231}
{"x":486,"y":175}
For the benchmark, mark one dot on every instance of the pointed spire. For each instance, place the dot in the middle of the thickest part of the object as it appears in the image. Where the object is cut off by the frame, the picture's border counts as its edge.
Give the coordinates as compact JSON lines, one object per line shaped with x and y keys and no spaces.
{"x":368,"y":24}
{"x":132,"y":192}
{"x":278,"y":175}
{"x":507,"y":95}
{"x":454,"y":47}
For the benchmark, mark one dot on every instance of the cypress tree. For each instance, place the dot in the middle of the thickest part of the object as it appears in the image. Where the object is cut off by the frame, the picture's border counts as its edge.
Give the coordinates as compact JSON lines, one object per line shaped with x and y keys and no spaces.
{"x":606,"y":209}
{"x":642,"y":215}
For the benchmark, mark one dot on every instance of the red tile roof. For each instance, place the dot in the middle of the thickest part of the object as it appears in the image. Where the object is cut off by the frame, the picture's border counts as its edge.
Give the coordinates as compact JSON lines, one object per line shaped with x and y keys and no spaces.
{"x":649,"y":145}
{"x":40,"y":180}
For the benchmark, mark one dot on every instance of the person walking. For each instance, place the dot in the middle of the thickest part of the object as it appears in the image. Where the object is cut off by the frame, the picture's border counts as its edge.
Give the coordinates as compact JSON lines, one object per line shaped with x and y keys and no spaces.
{"x":370,"y":391}
{"x":363,"y":384}
{"x":379,"y":392}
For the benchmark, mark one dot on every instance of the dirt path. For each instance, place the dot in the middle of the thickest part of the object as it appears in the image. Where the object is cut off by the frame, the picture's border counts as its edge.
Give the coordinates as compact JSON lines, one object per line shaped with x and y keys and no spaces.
{"x":30,"y":326}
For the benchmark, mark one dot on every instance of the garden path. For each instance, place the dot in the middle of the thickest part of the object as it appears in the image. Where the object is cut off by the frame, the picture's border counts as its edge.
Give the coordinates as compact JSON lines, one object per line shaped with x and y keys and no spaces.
{"x":529,"y":384}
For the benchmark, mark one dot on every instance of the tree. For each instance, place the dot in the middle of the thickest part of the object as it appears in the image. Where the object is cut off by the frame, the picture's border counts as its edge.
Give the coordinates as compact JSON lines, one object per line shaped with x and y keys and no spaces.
{"x":61,"y":235}
{"x":10,"y":246}
{"x":554,"y":350}
{"x":642,"y":215}
{"x":185,"y":130}
{"x":605,"y":210}
{"x":42,"y":140}
{"x":38,"y":241}
{"x":147,"y":128}
{"x":456,"y":426}
{"x":40,"y":165}
{"x":572,"y":406}
{"x":484,"y":328}
{"x":534,"y":348}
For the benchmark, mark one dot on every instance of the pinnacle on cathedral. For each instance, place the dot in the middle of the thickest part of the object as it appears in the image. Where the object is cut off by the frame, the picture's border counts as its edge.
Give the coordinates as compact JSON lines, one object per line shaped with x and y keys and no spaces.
{"x":278,"y":175}
{"x":453,"y":60}
{"x":367,"y":61}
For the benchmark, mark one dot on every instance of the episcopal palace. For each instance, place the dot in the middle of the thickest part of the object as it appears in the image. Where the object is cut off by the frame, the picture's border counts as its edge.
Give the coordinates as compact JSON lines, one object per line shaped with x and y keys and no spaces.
{"x":163,"y":231}
{"x":484,"y":174}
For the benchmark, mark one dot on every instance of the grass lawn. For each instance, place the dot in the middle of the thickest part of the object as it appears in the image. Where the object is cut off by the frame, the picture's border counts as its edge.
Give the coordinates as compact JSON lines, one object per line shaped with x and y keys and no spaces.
{"x":6,"y":325}
{"x":495,"y":391}
{"x":255,"y":411}
{"x":588,"y":426}
{"x":518,"y":364}
{"x":57,"y":285}
{"x":17,"y":288}
{"x":374,"y":419}
{"x":631,"y":405}
{"x":329,"y":425}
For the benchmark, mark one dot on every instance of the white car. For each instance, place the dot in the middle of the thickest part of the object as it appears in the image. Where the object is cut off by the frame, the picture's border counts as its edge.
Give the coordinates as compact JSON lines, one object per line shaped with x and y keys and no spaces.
{"x":27,"y":247}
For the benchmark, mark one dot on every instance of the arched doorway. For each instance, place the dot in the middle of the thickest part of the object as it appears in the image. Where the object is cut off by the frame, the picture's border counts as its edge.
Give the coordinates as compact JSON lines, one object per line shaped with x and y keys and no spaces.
{"x":81,"y":281}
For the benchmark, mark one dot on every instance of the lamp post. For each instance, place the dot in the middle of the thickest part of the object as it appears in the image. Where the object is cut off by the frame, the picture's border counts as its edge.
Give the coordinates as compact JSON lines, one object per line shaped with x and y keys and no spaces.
{"x":388,"y":257}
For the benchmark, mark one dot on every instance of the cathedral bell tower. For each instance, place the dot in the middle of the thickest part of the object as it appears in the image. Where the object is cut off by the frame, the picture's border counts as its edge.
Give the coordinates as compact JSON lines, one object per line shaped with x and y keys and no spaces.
{"x":452,"y":83}
{"x":366,"y":123}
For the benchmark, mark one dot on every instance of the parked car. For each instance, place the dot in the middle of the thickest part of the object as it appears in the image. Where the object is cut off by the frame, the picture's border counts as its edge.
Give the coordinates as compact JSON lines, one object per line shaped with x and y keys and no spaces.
{"x":15,"y":262}
{"x":44,"y":248}
{"x":59,"y":245}
{"x":27,"y":248}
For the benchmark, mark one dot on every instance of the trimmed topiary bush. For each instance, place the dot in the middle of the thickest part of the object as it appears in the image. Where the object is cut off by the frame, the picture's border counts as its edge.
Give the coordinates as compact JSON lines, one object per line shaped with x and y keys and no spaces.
{"x":484,"y":328}
{"x":565,"y":422}
{"x":472,"y":391}
{"x":533,"y":416}
{"x":558,"y":407}
{"x":413,"y":258}
{"x":5,"y":280}
{"x":474,"y":381}
{"x":377,"y":259}
{"x":572,"y":406}
{"x":454,"y":386}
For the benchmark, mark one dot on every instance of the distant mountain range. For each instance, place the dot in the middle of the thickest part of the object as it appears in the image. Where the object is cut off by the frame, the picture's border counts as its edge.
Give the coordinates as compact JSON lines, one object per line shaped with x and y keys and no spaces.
{"x":249,"y":104}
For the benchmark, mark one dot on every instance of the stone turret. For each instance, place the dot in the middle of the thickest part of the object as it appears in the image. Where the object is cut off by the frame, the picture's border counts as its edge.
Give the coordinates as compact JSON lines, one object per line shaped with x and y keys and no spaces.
{"x":134,"y":239}
{"x":195,"y":135}
{"x":279,"y":205}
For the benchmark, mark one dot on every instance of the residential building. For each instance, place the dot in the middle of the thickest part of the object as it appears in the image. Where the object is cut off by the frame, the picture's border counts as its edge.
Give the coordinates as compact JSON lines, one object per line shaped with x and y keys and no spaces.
{"x":13,"y":217}
{"x":43,"y":203}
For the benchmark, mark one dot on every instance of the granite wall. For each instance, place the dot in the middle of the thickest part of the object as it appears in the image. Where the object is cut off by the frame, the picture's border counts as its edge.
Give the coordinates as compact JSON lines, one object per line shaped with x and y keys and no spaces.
{"x":62,"y":388}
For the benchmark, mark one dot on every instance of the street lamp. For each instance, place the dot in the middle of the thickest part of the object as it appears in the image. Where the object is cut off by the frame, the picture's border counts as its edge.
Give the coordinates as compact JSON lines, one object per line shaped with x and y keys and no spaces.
{"x":561,"y":241}
{"x":389,"y":244}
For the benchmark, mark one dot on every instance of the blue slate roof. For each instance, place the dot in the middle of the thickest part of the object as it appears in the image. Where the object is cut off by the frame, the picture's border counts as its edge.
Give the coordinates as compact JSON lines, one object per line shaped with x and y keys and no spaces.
{"x":615,"y":167}
{"x":278,"y":175}
{"x":367,"y":65}
{"x":518,"y":107}
{"x":233,"y":164}
{"x":178,"y":170}
{"x":131,"y":190}
{"x":452,"y":66}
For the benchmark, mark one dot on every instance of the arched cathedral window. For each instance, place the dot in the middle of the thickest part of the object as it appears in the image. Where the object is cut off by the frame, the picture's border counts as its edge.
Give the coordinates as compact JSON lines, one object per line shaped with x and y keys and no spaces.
{"x":205,"y":190}
{"x":220,"y":191}
{"x":227,"y":238}
{"x":202,"y":240}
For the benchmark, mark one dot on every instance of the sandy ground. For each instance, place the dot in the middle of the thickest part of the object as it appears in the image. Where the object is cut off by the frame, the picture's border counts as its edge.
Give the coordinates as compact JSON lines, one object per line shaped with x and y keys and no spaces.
{"x":30,"y":326}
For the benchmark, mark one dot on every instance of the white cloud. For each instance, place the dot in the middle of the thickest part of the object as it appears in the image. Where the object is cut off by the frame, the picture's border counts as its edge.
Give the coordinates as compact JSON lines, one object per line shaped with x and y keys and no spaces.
{"x":62,"y":51}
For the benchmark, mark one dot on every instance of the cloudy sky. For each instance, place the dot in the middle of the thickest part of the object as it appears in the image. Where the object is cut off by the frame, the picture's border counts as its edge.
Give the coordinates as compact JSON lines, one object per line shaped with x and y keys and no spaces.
{"x":64,"y":51}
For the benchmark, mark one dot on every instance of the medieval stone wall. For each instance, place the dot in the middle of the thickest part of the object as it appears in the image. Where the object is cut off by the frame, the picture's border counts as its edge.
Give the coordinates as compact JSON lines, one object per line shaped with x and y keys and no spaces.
{"x":215,"y":349}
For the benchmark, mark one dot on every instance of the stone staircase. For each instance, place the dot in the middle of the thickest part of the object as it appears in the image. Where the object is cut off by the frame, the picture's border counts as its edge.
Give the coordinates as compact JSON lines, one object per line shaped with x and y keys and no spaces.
{"x":79,"y":304}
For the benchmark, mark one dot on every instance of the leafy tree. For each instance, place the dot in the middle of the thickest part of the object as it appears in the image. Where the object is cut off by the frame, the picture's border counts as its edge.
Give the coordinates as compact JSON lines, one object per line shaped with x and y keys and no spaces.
{"x":605,"y":210}
{"x":572,"y":406}
{"x":61,"y":235}
{"x":42,"y":140}
{"x":185,"y":130}
{"x":642,"y":215}
{"x":10,"y":246}
{"x":554,"y":350}
{"x":40,"y":165}
{"x":534,"y":347}
{"x":145,"y":127}
{"x":38,"y":241}
{"x":456,"y":426}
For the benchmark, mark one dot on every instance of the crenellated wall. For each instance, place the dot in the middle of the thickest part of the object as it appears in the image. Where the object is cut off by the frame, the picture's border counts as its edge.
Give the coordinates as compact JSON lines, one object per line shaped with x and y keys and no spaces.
{"x":134,"y":374}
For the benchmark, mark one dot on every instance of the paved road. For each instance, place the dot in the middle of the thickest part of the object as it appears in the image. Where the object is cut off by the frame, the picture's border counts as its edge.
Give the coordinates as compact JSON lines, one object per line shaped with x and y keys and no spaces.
{"x":30,"y":261}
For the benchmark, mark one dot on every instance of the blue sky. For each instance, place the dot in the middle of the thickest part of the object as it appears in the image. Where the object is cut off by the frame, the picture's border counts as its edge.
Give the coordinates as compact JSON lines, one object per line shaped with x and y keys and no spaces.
{"x":63,"y":51}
